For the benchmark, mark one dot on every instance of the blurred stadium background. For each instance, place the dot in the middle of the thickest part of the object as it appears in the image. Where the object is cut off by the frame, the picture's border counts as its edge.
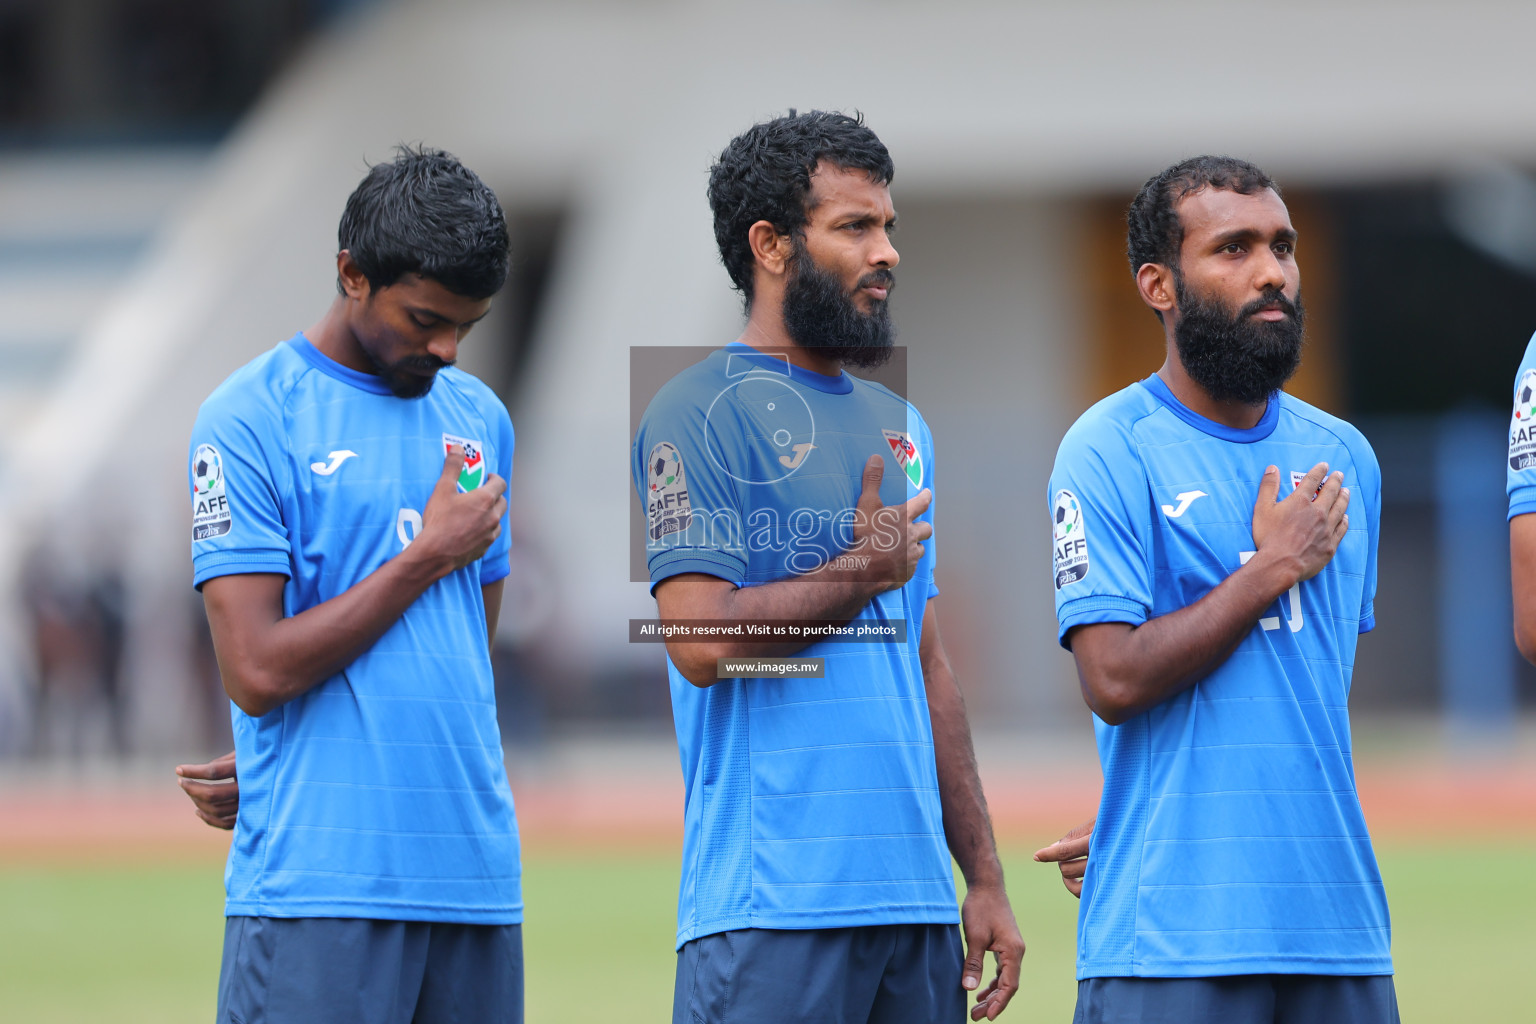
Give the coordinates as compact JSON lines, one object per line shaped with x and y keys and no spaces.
{"x":171,"y":174}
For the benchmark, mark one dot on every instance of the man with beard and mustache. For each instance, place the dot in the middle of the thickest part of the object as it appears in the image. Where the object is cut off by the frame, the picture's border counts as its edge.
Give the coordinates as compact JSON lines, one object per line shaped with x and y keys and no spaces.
{"x":1211,"y":588}
{"x":785,"y":494}
{"x":349,"y":538}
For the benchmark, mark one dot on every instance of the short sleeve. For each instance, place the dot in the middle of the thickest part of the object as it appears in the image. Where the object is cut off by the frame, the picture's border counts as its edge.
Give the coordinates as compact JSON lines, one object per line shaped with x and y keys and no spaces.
{"x":930,"y":554}
{"x":234,"y":472}
{"x":1098,"y":552}
{"x":1369,"y":471}
{"x":496,"y":563}
{"x":1520,"y":471}
{"x":694,"y":521}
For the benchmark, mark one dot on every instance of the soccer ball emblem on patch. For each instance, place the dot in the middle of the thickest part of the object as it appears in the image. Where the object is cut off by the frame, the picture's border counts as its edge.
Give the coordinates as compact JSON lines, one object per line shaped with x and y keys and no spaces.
{"x":1525,"y":397}
{"x":1069,"y":516}
{"x":667,"y":506}
{"x":1522,"y":425}
{"x":666,"y":467}
{"x":207,"y":470}
{"x":906,"y":454}
{"x":473,"y":473}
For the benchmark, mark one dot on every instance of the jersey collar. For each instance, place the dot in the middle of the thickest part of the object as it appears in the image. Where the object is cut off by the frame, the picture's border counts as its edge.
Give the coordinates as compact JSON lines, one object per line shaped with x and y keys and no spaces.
{"x":331,"y":368}
{"x":839,"y":385}
{"x":1258,"y":432}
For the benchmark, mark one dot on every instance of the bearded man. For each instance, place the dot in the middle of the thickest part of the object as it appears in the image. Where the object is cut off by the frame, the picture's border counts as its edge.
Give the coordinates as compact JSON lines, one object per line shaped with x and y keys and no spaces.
{"x":788,"y":502}
{"x":1230,"y":875}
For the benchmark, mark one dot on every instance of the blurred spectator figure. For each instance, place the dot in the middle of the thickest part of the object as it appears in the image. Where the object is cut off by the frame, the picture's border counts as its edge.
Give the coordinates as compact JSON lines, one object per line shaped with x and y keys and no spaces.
{"x":77,"y":629}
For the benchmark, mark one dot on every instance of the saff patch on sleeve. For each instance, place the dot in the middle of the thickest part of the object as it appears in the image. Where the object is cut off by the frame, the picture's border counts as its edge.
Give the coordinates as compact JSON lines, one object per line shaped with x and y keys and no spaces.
{"x":473,"y":473}
{"x":1522,"y":424}
{"x":1069,"y":539}
{"x":668,"y":509}
{"x":210,"y":507}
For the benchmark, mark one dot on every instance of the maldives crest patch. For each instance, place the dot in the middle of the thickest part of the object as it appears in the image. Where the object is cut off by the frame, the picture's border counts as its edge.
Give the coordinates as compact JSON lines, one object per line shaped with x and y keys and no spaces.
{"x":473,"y":473}
{"x":906,"y":454}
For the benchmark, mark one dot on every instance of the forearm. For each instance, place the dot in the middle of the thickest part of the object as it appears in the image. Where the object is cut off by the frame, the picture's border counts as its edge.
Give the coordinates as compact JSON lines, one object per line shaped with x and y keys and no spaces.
{"x":967,"y":825}
{"x":887,"y":545}
{"x":819,"y":598}
{"x":1142,"y":666}
{"x":275,"y":659}
{"x":490,"y":595}
{"x":1522,"y":563}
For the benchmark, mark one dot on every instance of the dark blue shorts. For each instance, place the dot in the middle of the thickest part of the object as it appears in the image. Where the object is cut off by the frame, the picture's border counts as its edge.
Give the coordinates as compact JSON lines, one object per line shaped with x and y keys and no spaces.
{"x":332,"y":970}
{"x":1240,"y":999}
{"x":881,"y":974}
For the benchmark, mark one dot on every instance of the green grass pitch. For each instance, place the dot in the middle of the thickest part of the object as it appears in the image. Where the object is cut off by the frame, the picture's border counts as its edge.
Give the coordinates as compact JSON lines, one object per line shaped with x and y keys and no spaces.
{"x":141,"y":944}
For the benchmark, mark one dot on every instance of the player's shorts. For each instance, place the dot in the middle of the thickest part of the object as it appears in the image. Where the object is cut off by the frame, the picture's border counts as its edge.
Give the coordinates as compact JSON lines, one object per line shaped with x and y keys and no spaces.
{"x":1240,"y":999}
{"x":331,"y":970}
{"x":880,"y":974}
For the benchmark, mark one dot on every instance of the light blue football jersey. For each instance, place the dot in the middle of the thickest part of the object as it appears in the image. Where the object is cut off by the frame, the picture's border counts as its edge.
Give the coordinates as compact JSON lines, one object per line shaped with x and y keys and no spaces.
{"x":381,"y":793}
{"x":1521,"y":472}
{"x":810,"y":803}
{"x":1229,"y":838}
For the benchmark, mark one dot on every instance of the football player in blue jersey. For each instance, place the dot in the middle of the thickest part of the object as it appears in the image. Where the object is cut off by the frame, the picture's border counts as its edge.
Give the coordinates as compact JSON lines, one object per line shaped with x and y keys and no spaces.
{"x":1520,"y":485}
{"x":349,"y":538}
{"x":1214,"y":547}
{"x":784,"y":493}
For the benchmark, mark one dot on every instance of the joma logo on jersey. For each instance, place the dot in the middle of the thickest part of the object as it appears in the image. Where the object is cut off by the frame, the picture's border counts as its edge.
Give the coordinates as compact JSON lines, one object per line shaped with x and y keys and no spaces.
{"x":800,"y":450}
{"x":333,"y":462}
{"x":1185,"y":499}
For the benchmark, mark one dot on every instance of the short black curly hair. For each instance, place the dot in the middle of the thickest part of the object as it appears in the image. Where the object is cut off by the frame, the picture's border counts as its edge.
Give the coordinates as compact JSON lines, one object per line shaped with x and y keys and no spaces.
{"x":765,"y":174}
{"x":1154,"y":232}
{"x":425,"y":213}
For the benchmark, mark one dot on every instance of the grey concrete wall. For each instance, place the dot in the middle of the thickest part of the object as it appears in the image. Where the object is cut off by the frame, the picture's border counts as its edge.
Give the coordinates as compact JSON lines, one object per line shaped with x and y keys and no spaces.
{"x":988,"y":307}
